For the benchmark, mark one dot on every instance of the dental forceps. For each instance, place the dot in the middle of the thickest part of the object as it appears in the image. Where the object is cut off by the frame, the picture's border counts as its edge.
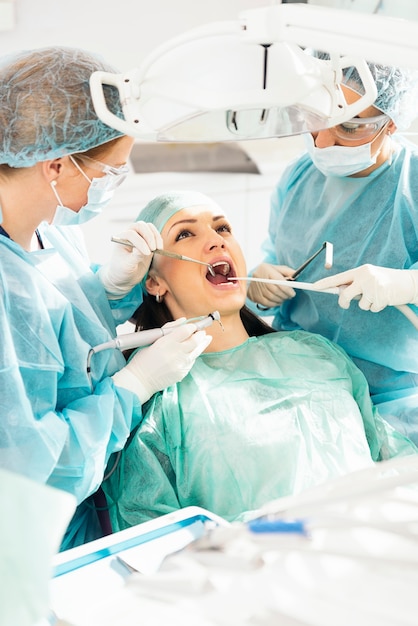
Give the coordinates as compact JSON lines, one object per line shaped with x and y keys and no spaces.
{"x":172,"y":255}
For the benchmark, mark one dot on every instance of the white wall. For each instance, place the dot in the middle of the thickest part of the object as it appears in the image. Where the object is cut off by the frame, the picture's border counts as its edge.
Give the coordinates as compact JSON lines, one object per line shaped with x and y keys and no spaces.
{"x":123,"y":31}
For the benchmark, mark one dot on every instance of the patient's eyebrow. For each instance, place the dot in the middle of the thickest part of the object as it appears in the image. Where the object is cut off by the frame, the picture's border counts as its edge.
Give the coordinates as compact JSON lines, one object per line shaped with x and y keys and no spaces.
{"x":187,"y":221}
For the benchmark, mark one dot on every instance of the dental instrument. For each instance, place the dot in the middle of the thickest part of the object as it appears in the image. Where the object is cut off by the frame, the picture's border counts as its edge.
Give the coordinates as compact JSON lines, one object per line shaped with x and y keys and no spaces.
{"x":172,"y":255}
{"x":329,"y":255}
{"x":403,"y":308}
{"x":143,"y":338}
{"x":287,"y":283}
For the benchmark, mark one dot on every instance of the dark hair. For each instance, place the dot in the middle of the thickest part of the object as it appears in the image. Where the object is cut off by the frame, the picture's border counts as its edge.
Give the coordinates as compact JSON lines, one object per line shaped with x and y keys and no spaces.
{"x":153,"y":314}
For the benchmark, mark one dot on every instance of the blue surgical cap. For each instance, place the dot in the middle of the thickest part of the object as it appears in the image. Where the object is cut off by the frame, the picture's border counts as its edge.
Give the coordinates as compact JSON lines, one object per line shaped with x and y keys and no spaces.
{"x":46,"y":109}
{"x":397,"y":89}
{"x":159,"y":210}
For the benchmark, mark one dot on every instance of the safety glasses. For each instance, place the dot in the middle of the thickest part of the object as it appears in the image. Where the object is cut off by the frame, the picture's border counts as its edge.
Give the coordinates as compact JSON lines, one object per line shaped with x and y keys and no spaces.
{"x":119,"y":173}
{"x":359,"y":128}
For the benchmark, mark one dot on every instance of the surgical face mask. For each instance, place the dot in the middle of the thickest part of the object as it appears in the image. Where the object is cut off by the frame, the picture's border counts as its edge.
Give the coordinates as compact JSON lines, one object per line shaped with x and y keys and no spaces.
{"x":99,"y":194}
{"x":341,"y":160}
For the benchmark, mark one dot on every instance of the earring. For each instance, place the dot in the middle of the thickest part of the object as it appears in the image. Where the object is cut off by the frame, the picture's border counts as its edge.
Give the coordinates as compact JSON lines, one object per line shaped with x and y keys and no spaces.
{"x":158,"y":298}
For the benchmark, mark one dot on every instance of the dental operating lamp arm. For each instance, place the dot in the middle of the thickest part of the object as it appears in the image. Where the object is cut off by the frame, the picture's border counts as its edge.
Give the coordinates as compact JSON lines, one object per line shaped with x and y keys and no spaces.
{"x":248,"y":78}
{"x":378,"y":38}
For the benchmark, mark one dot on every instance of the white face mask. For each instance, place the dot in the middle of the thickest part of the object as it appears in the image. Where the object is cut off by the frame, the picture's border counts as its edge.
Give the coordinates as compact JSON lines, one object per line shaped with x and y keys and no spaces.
{"x":340,"y":160}
{"x":99,"y":194}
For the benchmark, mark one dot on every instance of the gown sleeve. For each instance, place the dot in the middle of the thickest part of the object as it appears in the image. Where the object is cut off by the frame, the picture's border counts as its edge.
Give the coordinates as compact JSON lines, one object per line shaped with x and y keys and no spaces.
{"x":57,"y":426}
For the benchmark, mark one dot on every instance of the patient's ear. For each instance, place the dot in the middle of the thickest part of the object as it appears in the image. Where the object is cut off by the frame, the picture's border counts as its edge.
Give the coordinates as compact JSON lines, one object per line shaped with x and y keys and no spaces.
{"x":154,"y":285}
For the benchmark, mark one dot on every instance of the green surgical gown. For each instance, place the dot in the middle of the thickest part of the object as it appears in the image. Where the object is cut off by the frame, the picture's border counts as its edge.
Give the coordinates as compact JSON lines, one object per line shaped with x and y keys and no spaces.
{"x":269,"y":418}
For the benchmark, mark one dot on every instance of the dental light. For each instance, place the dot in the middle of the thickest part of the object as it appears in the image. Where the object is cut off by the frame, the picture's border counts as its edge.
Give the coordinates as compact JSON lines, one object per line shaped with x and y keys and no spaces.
{"x":251,"y":78}
{"x":243,"y":79}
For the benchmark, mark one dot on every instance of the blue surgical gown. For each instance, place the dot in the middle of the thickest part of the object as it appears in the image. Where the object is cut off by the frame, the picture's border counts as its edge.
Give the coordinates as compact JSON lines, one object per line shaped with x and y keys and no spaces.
{"x":374,"y":220}
{"x":54,"y":428}
{"x":272,"y":417}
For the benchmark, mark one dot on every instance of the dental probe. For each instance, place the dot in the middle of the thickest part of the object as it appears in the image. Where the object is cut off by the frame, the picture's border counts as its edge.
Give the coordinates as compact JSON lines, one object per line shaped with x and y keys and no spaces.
{"x":172,"y":255}
{"x":143,"y":338}
{"x":403,"y":308}
{"x":182,"y":257}
{"x":287,"y":283}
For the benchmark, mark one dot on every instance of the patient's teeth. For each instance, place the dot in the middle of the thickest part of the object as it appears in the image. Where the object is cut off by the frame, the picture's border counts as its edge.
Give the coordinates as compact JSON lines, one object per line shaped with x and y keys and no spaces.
{"x":225,"y":268}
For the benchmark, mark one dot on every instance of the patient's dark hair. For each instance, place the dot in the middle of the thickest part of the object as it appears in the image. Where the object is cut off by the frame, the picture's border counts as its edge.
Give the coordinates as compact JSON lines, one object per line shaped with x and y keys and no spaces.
{"x":153,"y":314}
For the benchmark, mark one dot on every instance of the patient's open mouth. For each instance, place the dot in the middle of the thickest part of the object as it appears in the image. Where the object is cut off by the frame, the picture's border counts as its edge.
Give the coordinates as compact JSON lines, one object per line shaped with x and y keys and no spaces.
{"x":223,"y":272}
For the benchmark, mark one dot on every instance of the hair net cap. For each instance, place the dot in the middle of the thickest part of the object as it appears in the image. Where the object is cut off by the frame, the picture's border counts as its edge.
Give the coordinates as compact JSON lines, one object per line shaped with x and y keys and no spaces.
{"x":159,"y":210}
{"x":397,"y":89}
{"x":46,"y":109}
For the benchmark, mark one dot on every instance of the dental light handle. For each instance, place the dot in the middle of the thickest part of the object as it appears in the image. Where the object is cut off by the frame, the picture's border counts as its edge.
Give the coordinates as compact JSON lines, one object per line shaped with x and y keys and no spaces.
{"x":144,"y":338}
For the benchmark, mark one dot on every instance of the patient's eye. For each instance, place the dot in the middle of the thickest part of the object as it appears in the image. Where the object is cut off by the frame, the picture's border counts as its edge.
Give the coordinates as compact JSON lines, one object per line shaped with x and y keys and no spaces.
{"x":183,"y":234}
{"x":224,"y":228}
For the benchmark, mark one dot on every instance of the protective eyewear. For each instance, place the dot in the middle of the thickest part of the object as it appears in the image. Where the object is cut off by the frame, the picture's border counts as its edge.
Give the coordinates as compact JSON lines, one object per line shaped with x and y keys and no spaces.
{"x":359,"y":128}
{"x":119,"y":173}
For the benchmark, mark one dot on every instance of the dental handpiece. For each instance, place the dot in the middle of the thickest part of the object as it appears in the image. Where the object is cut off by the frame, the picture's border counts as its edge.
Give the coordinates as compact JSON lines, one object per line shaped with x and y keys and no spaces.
{"x":143,"y":338}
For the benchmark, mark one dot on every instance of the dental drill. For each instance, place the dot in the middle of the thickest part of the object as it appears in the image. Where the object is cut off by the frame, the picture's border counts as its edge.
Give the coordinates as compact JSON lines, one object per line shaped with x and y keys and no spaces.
{"x":144,"y":338}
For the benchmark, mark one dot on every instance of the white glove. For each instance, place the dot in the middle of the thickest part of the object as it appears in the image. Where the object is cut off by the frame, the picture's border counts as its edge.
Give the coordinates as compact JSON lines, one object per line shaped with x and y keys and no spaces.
{"x":165,"y":362}
{"x":266,"y":294}
{"x":377,"y":287}
{"x":128,"y":265}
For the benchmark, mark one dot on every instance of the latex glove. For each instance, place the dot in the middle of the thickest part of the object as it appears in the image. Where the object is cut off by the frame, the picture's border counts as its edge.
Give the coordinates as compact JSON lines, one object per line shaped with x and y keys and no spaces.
{"x":376,"y":286}
{"x":165,"y":362}
{"x":270,"y":295}
{"x":128,"y":265}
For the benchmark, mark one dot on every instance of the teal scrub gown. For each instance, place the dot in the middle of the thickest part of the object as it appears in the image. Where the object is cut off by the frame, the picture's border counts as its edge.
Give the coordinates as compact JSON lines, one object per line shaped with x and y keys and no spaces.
{"x":372,"y":219}
{"x":55,"y":428}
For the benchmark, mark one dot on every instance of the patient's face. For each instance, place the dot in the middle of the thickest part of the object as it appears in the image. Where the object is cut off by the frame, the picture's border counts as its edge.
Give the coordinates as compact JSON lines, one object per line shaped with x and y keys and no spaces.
{"x":205,"y":234}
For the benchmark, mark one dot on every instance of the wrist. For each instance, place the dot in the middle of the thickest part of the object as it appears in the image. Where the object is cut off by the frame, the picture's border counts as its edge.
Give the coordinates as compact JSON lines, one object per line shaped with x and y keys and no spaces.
{"x":113,"y":291}
{"x":126,"y":379}
{"x":414,"y":277}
